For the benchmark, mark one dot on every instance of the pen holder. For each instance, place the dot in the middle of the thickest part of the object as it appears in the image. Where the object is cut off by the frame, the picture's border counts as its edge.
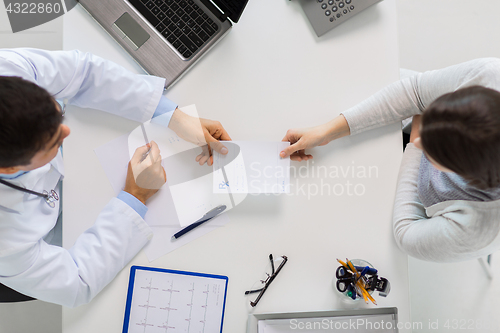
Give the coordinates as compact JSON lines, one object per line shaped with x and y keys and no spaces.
{"x":344,"y":295}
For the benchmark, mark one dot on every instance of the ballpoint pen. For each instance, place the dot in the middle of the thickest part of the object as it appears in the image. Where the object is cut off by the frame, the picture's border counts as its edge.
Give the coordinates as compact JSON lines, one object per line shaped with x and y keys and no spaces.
{"x":147,"y":143}
{"x":207,"y":217}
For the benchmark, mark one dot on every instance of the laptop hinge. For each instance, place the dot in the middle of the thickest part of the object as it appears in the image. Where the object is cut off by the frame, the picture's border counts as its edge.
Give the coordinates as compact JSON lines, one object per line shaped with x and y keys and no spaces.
{"x":221,"y":16}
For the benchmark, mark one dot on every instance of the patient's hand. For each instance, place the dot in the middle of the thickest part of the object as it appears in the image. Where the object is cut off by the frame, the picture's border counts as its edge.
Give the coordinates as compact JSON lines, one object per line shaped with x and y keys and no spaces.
{"x":306,"y":138}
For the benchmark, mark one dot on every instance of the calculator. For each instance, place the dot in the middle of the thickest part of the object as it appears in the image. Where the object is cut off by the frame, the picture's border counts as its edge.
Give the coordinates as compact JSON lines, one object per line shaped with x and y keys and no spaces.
{"x":325,"y":15}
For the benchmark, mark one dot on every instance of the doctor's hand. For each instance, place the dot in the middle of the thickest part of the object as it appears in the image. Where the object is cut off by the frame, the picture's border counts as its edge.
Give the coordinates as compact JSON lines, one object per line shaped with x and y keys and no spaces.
{"x":306,"y":138}
{"x":202,"y":132}
{"x":145,"y":173}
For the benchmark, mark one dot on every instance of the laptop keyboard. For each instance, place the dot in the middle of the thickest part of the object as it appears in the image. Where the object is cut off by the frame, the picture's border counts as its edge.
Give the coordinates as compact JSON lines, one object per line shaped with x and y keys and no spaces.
{"x":182,"y":22}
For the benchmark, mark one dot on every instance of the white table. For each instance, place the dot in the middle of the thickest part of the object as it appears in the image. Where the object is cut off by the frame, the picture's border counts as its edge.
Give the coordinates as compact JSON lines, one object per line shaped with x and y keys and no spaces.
{"x":271,"y":73}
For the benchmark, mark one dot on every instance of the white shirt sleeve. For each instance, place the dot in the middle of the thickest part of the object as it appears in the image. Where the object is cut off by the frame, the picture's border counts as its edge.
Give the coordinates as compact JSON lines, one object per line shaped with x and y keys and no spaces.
{"x":410,"y":96}
{"x":73,"y":277}
{"x":86,"y":81}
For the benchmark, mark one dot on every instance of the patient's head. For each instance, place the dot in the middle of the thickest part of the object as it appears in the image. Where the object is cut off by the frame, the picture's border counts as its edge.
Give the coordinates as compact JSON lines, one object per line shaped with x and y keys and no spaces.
{"x":30,"y":125}
{"x":461,"y":132}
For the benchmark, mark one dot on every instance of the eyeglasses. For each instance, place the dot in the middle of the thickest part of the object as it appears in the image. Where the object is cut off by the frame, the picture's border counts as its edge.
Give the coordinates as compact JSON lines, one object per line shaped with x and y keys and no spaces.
{"x":264,"y":283}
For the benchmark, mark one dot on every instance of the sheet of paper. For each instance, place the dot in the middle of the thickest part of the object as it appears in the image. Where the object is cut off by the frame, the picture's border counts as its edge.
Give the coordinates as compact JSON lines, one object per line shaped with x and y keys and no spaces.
{"x":164,"y":302}
{"x":252,"y":167}
{"x":193,"y":198}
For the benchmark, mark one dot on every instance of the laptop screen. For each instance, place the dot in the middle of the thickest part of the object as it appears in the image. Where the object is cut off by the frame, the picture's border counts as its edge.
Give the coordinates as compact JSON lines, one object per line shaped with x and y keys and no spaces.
{"x":233,"y":8}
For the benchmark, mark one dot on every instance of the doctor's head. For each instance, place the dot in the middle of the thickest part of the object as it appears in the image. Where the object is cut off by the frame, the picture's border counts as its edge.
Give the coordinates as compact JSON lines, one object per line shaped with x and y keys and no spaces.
{"x":460,"y":132}
{"x":31,"y":128}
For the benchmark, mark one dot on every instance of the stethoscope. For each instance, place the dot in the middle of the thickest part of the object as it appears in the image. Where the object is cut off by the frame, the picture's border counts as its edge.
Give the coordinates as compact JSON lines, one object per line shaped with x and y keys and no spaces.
{"x":50,"y":198}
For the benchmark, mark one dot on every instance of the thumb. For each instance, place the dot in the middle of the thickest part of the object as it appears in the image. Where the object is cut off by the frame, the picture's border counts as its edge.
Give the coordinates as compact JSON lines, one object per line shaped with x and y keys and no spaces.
{"x":291,"y":149}
{"x":216,"y":145}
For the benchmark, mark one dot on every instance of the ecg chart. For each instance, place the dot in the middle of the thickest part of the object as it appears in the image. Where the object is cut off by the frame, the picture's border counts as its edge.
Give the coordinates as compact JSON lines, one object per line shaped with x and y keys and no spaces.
{"x":165,"y":302}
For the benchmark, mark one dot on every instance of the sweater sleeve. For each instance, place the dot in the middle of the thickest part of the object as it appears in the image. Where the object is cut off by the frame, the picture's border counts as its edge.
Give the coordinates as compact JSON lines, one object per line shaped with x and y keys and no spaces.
{"x":455,"y":233}
{"x":410,"y":96}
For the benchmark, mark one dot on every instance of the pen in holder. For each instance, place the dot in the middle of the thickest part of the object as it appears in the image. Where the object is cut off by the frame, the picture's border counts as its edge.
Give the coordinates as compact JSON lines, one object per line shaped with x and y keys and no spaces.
{"x":357,"y":279}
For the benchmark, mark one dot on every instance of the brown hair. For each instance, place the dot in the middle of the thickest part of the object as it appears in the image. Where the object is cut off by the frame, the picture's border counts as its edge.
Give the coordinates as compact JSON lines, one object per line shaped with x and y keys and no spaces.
{"x":461,"y":131}
{"x":28,"y":119}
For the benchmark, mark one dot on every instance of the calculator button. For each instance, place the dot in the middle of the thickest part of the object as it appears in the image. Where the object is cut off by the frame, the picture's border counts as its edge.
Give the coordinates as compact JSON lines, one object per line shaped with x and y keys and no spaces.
{"x":330,"y":2}
{"x":341,"y":5}
{"x":339,"y":15}
{"x":345,"y":11}
{"x":351,"y":8}
{"x":327,"y":13}
{"x":335,"y":8}
{"x":320,"y":0}
{"x":348,"y":1}
{"x":331,"y":19}
{"x":323,"y":6}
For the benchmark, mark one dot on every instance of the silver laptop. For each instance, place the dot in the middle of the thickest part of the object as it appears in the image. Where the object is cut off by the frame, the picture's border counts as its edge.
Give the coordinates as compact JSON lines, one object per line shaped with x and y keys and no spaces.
{"x":325,"y":15}
{"x":166,"y":37}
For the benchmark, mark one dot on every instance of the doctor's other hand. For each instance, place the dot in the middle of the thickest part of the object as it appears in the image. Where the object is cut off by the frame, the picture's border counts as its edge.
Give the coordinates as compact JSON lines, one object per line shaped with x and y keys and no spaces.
{"x":202,"y":132}
{"x":145,"y":173}
{"x":307,"y":138}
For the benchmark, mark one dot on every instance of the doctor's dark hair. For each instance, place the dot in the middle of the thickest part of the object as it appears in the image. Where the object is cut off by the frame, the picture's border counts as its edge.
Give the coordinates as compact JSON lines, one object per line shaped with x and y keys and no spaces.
{"x":461,"y":131}
{"x":28,"y":120}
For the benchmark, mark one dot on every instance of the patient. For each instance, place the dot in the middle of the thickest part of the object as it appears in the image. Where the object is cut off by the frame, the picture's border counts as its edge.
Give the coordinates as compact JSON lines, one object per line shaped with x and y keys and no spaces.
{"x":447,"y":205}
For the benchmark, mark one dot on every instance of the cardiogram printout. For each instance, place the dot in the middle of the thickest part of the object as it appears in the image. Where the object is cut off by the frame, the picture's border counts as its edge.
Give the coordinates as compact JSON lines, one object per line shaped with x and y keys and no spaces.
{"x":161,"y":300}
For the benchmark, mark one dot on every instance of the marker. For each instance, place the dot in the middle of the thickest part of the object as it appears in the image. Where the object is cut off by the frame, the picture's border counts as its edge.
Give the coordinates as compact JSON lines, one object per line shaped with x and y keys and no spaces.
{"x":205,"y":218}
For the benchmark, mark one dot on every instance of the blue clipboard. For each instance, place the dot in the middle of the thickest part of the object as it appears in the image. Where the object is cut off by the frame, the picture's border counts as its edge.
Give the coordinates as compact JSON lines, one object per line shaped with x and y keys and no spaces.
{"x":160,"y":298}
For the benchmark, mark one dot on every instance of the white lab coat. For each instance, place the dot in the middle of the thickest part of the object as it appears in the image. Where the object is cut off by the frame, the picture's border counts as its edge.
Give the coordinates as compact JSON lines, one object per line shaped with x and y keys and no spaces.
{"x":27,"y":263}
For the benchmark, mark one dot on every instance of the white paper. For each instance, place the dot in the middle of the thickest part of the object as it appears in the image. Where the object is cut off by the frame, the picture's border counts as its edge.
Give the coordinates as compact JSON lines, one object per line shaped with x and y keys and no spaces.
{"x":193,"y":198}
{"x":256,"y":167}
{"x":164,"y":302}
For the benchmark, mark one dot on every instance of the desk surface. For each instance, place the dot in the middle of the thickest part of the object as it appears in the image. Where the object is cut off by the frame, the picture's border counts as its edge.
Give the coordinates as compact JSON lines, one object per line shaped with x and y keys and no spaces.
{"x":269,"y":74}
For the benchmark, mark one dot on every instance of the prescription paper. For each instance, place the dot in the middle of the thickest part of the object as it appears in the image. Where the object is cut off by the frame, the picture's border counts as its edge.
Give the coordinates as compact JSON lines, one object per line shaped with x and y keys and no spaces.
{"x":252,"y":167}
{"x":177,"y":203}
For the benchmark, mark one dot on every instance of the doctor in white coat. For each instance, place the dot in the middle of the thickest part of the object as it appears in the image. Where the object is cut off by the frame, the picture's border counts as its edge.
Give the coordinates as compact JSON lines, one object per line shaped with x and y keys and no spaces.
{"x":29,"y":262}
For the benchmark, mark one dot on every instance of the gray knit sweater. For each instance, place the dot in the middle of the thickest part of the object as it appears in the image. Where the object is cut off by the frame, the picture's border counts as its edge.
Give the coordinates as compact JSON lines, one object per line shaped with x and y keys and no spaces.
{"x":446,"y":231}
